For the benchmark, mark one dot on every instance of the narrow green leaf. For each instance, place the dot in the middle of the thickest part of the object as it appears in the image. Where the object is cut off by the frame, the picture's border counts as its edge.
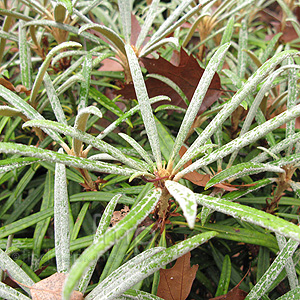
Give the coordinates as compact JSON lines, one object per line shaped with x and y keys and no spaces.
{"x":108,"y":33}
{"x":251,"y":215}
{"x":54,"y":100}
{"x":8,"y":292}
{"x":125,"y":14}
{"x":61,"y":219}
{"x":291,"y":295}
{"x":271,"y":274}
{"x":42,"y":226}
{"x":197,"y":100}
{"x":68,"y":160}
{"x":186,"y":199}
{"x":224,"y":278}
{"x":230,"y":106}
{"x":110,"y":288}
{"x":43,"y":68}
{"x":85,"y":85}
{"x":151,"y":13}
{"x":137,"y":147}
{"x":25,"y":58}
{"x":10,"y":164}
{"x":240,"y":142}
{"x":15,"y":271}
{"x":241,"y":170}
{"x":145,"y":107}
{"x":87,"y":138}
{"x":126,"y":225}
{"x":101,"y":229}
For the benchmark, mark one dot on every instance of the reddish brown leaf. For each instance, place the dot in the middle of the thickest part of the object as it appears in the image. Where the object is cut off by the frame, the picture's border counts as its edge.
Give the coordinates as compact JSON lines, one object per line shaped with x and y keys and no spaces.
{"x":51,"y":289}
{"x":176,"y":283}
{"x":235,"y":294}
{"x":186,"y":75}
{"x":202,"y":179}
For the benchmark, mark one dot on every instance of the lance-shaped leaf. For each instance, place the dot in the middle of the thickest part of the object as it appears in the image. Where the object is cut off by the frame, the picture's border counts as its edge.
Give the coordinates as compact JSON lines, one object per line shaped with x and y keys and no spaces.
{"x":147,"y":24}
{"x":243,"y":169}
{"x":85,"y":85}
{"x":80,"y":124}
{"x":230,"y":106}
{"x":102,"y":227}
{"x":108,"y":33}
{"x":25,"y":60}
{"x":273,"y":271}
{"x":87,"y":138}
{"x":121,"y":229}
{"x":14,"y":163}
{"x":251,"y":215}
{"x":45,"y":65}
{"x":137,"y":147}
{"x":27,"y":110}
{"x":165,"y":28}
{"x":240,"y":142}
{"x":8,"y":292}
{"x":15,"y":271}
{"x":110,"y":288}
{"x":197,"y":99}
{"x":61,"y":219}
{"x":144,"y":102}
{"x":69,"y":160}
{"x":118,"y":274}
{"x":125,"y":14}
{"x":54,"y":100}
{"x":248,"y":189}
{"x":186,"y":199}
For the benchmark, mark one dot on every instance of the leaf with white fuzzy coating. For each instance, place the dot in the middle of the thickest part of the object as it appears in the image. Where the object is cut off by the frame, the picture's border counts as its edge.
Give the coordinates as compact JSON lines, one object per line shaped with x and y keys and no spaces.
{"x":61,"y":218}
{"x":230,"y":106}
{"x":109,"y":290}
{"x":242,"y":141}
{"x":145,"y":107}
{"x":72,"y":161}
{"x":119,"y":273}
{"x":240,"y":170}
{"x":136,"y":215}
{"x":15,"y":271}
{"x":44,"y":66}
{"x":8,"y":292}
{"x":186,"y":199}
{"x":251,"y":215}
{"x":137,"y":147}
{"x":14,"y":163}
{"x":107,"y":32}
{"x":86,"y":138}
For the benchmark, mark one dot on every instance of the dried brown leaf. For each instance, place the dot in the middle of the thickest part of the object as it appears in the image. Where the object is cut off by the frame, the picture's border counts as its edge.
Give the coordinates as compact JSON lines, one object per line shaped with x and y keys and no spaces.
{"x":176,"y":283}
{"x":51,"y":288}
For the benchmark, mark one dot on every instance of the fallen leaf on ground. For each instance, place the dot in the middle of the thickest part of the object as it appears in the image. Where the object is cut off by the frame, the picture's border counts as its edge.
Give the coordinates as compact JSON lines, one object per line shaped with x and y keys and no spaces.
{"x":51,"y":288}
{"x":176,"y":283}
{"x":186,"y":75}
